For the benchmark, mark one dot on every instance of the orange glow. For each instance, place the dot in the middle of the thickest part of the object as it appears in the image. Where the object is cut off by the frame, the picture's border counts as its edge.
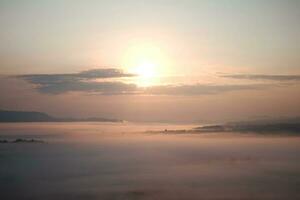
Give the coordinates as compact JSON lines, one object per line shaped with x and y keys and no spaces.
{"x":147,"y":61}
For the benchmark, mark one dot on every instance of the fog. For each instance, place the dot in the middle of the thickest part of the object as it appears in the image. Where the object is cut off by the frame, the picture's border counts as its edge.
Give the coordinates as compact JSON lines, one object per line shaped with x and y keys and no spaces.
{"x":122,"y":161}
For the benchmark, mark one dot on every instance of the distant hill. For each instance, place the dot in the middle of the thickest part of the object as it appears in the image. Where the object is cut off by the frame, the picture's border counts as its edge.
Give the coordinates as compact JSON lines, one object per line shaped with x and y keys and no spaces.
{"x":26,"y":116}
{"x":22,"y":116}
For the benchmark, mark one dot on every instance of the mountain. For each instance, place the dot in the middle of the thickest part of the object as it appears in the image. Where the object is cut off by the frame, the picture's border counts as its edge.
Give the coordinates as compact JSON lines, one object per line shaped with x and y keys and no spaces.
{"x":25,"y":116}
{"x":22,"y":116}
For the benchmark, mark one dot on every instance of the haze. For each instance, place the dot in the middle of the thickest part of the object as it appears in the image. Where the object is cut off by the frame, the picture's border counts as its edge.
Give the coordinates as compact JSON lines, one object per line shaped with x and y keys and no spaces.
{"x":174,"y":61}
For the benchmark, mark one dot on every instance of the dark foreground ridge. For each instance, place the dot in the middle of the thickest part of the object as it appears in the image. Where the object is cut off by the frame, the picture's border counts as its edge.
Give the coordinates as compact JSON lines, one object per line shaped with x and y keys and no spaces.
{"x":25,"y":116}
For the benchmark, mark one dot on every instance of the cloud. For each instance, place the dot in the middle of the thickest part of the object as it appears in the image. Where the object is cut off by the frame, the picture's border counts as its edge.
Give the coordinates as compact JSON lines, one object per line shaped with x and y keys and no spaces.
{"x":104,"y":73}
{"x":201,"y":89}
{"x":107,"y":88}
{"x":88,"y":74}
{"x":81,"y":82}
{"x":264,"y":77}
{"x":106,"y":82}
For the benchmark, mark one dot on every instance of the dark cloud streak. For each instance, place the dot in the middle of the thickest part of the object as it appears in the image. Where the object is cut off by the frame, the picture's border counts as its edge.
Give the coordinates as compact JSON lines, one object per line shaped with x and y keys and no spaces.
{"x":88,"y":74}
{"x":81,"y":82}
{"x":201,"y":89}
{"x":108,"y":83}
{"x":264,"y":77}
{"x":107,"y":88}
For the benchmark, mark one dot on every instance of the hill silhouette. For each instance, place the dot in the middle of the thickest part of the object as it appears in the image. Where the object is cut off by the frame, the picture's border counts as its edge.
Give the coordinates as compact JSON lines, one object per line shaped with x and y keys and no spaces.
{"x":32,"y":116}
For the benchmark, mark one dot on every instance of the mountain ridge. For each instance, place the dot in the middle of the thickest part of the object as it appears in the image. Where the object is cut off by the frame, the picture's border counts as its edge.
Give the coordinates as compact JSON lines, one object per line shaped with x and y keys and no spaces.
{"x":34,"y":116}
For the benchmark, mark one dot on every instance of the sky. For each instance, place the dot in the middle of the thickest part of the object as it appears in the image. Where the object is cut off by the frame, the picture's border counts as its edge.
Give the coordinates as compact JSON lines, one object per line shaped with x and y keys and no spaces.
{"x":159,"y":60}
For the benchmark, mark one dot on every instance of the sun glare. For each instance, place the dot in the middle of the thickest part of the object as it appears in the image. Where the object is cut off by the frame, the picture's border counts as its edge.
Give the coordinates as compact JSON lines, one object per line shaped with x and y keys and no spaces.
{"x":146,"y":74}
{"x":147,"y":61}
{"x":146,"y":69}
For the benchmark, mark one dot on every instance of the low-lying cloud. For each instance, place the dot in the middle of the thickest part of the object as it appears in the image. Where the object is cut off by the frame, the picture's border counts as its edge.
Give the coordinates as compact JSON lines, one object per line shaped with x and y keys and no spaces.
{"x":82,"y":82}
{"x":264,"y":77}
{"x":201,"y":89}
{"x":108,"y":82}
{"x":107,"y":88}
{"x":84,"y":75}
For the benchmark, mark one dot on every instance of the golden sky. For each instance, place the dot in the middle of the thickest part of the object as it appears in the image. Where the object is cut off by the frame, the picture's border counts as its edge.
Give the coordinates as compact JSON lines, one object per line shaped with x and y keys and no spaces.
{"x":160,"y":60}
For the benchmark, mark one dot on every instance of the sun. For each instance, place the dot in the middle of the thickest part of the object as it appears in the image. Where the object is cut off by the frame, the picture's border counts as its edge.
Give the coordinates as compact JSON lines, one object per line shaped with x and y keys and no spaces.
{"x":147,"y":61}
{"x":146,"y":73}
{"x":145,"y":69}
